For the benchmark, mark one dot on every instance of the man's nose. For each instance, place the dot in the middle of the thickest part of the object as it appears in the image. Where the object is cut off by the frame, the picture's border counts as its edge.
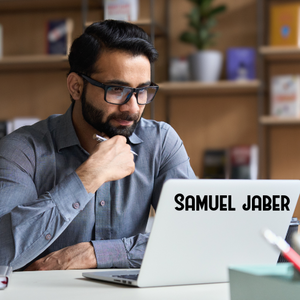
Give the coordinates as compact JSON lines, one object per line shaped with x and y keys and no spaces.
{"x":131,"y":106}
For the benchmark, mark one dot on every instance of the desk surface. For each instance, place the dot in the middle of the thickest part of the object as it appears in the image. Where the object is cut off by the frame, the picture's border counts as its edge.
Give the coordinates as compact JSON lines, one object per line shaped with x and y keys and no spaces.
{"x":63,"y":285}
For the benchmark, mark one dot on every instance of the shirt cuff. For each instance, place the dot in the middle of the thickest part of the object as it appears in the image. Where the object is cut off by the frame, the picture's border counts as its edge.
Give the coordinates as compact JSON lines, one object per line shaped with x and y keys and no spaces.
{"x":110,"y":254}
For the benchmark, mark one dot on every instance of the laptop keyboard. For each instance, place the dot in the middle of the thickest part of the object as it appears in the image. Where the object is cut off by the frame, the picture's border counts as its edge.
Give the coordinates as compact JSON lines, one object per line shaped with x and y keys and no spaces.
{"x":131,"y":276}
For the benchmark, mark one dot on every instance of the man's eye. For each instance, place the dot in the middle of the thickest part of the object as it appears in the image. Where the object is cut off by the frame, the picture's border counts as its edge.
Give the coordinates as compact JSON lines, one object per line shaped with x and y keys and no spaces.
{"x":117,"y":89}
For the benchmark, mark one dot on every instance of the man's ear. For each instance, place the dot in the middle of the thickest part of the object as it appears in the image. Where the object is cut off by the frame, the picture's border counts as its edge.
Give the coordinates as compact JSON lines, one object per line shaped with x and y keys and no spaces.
{"x":75,"y":85}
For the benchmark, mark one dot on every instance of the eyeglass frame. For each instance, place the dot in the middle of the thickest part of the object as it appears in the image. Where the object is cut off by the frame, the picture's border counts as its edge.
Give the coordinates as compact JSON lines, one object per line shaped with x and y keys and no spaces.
{"x":133,"y":90}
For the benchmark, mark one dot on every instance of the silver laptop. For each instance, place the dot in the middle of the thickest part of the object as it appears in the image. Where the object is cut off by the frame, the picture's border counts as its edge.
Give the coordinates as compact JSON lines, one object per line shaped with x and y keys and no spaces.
{"x":203,"y":226}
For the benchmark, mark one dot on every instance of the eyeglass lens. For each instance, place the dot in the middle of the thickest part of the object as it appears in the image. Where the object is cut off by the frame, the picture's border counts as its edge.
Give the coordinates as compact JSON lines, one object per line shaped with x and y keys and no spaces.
{"x":119,"y":95}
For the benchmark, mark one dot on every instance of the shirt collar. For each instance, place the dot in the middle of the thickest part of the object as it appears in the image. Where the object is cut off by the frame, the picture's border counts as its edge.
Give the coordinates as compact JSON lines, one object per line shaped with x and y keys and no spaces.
{"x":134,"y":139}
{"x":66,"y":134}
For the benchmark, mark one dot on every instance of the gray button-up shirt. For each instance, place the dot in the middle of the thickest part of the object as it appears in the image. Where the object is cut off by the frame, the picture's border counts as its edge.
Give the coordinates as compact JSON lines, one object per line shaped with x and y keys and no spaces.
{"x":45,"y":207}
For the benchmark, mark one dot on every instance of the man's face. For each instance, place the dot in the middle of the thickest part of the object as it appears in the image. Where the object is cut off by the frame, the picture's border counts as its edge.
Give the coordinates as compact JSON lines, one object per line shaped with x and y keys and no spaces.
{"x":116,"y":68}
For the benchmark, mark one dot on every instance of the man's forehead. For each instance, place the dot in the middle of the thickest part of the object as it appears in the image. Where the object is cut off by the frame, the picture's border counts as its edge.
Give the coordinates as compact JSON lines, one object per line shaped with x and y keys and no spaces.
{"x":117,"y":56}
{"x":120,"y":65}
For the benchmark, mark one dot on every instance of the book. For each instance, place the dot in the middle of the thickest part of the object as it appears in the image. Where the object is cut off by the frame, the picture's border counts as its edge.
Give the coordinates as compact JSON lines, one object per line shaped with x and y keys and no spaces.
{"x":285,"y":24}
{"x":179,"y":69}
{"x":124,"y":10}
{"x":241,"y":63}
{"x":285,"y":96}
{"x":243,"y":162}
{"x":8,"y":126}
{"x":1,"y":41}
{"x":14,"y":124}
{"x":264,"y":282}
{"x":215,"y":164}
{"x":59,"y":36}
{"x":5,"y":272}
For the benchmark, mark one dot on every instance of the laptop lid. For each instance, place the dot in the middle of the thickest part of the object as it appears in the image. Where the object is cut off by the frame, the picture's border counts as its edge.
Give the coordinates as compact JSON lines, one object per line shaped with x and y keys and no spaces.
{"x":203,"y":226}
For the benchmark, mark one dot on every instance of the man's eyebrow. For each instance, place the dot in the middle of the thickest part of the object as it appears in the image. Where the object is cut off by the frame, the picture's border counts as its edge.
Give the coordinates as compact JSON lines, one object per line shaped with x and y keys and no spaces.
{"x":124,"y":83}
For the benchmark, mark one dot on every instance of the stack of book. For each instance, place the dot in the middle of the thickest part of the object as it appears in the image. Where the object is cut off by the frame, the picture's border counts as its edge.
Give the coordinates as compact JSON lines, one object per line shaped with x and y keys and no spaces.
{"x":237,"y":162}
{"x":125,"y":10}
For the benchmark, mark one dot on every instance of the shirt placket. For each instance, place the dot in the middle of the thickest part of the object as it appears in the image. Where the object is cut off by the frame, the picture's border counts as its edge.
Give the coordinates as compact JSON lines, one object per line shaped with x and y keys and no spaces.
{"x":103,"y":213}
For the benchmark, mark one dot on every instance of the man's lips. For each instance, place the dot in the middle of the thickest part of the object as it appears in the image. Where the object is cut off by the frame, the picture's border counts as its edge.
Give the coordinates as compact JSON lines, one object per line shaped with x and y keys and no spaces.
{"x":123,"y":122}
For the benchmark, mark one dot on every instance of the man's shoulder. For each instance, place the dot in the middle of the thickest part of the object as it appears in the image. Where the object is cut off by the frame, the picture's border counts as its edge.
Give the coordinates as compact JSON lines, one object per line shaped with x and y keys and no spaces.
{"x":146,"y":124}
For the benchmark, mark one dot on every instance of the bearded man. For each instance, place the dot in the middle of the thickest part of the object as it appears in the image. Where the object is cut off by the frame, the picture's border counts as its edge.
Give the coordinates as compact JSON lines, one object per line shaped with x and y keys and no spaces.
{"x":68,"y":201}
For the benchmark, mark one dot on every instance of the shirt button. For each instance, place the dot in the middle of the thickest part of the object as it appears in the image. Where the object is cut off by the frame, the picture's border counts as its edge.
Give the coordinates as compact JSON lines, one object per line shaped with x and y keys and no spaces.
{"x":48,"y":236}
{"x":76,"y":205}
{"x":102,"y":203}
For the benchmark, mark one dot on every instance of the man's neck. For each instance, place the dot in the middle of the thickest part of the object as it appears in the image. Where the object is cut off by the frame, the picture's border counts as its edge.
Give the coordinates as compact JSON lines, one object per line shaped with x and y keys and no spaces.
{"x":84,"y":131}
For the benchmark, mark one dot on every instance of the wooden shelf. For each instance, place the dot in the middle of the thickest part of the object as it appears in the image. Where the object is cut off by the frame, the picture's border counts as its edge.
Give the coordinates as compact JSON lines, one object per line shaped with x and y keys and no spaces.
{"x":34,"y":5}
{"x":220,"y":87}
{"x":280,"y":53}
{"x":271,"y":120}
{"x":144,"y":24}
{"x":34,"y":62}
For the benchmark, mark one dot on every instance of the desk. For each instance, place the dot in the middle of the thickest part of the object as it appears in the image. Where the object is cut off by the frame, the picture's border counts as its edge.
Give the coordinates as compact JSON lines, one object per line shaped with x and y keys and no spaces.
{"x":64,"y":285}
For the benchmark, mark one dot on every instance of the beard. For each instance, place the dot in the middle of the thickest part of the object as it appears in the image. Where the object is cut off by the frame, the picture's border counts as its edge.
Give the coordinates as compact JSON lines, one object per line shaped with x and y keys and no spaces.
{"x":94,"y":117}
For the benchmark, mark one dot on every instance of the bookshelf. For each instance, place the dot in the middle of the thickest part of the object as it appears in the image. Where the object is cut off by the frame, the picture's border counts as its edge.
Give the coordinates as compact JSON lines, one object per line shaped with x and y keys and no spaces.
{"x":272,"y":121}
{"x":34,"y":62}
{"x":41,"y":76}
{"x":205,"y":116}
{"x":146,"y":24}
{"x":280,"y":53}
{"x":279,"y":136}
{"x":220,"y":87}
{"x":32,"y":83}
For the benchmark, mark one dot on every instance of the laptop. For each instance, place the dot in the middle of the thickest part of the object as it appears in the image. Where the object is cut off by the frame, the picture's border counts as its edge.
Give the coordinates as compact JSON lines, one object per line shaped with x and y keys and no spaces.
{"x":202,"y":226}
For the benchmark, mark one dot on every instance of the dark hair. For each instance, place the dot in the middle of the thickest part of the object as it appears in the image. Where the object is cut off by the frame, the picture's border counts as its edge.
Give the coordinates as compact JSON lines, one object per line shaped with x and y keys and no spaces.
{"x":109,"y":35}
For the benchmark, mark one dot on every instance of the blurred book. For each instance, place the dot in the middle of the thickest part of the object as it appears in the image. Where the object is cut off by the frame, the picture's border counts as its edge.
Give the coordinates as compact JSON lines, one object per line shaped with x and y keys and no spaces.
{"x":3,"y":128}
{"x":285,"y":95}
{"x":16,"y":123}
{"x":241,"y":63}
{"x":179,"y":69}
{"x":243,"y":162}
{"x":8,"y":126}
{"x":215,"y":164}
{"x":285,"y":24}
{"x":125,"y":10}
{"x":59,"y":36}
{"x":1,"y":41}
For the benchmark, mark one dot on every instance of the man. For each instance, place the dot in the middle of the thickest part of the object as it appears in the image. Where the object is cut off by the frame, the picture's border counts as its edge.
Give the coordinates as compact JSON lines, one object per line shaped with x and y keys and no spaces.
{"x":68,"y":201}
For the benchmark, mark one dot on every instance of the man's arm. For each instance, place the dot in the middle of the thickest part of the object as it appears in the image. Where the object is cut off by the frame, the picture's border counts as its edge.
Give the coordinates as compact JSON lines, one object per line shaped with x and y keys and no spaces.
{"x":79,"y":256}
{"x":32,"y":223}
{"x":129,"y":251}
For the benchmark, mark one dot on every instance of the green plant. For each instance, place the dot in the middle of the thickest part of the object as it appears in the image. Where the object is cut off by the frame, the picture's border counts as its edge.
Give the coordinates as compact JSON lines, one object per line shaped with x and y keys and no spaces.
{"x":202,"y":19}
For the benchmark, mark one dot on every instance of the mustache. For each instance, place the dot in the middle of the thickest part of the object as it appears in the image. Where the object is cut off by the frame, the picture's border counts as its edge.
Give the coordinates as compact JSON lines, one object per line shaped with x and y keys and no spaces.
{"x":123,"y":116}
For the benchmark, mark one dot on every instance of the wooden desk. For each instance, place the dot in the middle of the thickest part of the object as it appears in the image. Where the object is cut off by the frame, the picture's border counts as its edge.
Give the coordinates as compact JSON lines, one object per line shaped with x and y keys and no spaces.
{"x":64,"y":285}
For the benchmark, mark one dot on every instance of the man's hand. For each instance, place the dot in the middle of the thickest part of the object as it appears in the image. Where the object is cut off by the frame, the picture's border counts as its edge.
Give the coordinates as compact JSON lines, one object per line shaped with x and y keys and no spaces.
{"x":111,"y":160}
{"x":79,"y":256}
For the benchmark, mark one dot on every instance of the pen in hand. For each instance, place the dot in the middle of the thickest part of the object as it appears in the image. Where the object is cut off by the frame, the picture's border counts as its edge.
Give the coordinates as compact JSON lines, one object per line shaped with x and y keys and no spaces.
{"x":100,"y":139}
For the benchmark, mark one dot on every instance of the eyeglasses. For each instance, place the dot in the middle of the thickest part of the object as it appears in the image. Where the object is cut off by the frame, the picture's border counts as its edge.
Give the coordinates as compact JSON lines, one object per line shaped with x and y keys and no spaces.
{"x":115,"y":94}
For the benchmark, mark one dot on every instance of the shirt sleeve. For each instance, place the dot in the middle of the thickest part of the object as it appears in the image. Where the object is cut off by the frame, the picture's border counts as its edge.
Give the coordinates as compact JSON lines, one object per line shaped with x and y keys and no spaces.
{"x":174,"y":162}
{"x":30,"y":223}
{"x":125,"y":253}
